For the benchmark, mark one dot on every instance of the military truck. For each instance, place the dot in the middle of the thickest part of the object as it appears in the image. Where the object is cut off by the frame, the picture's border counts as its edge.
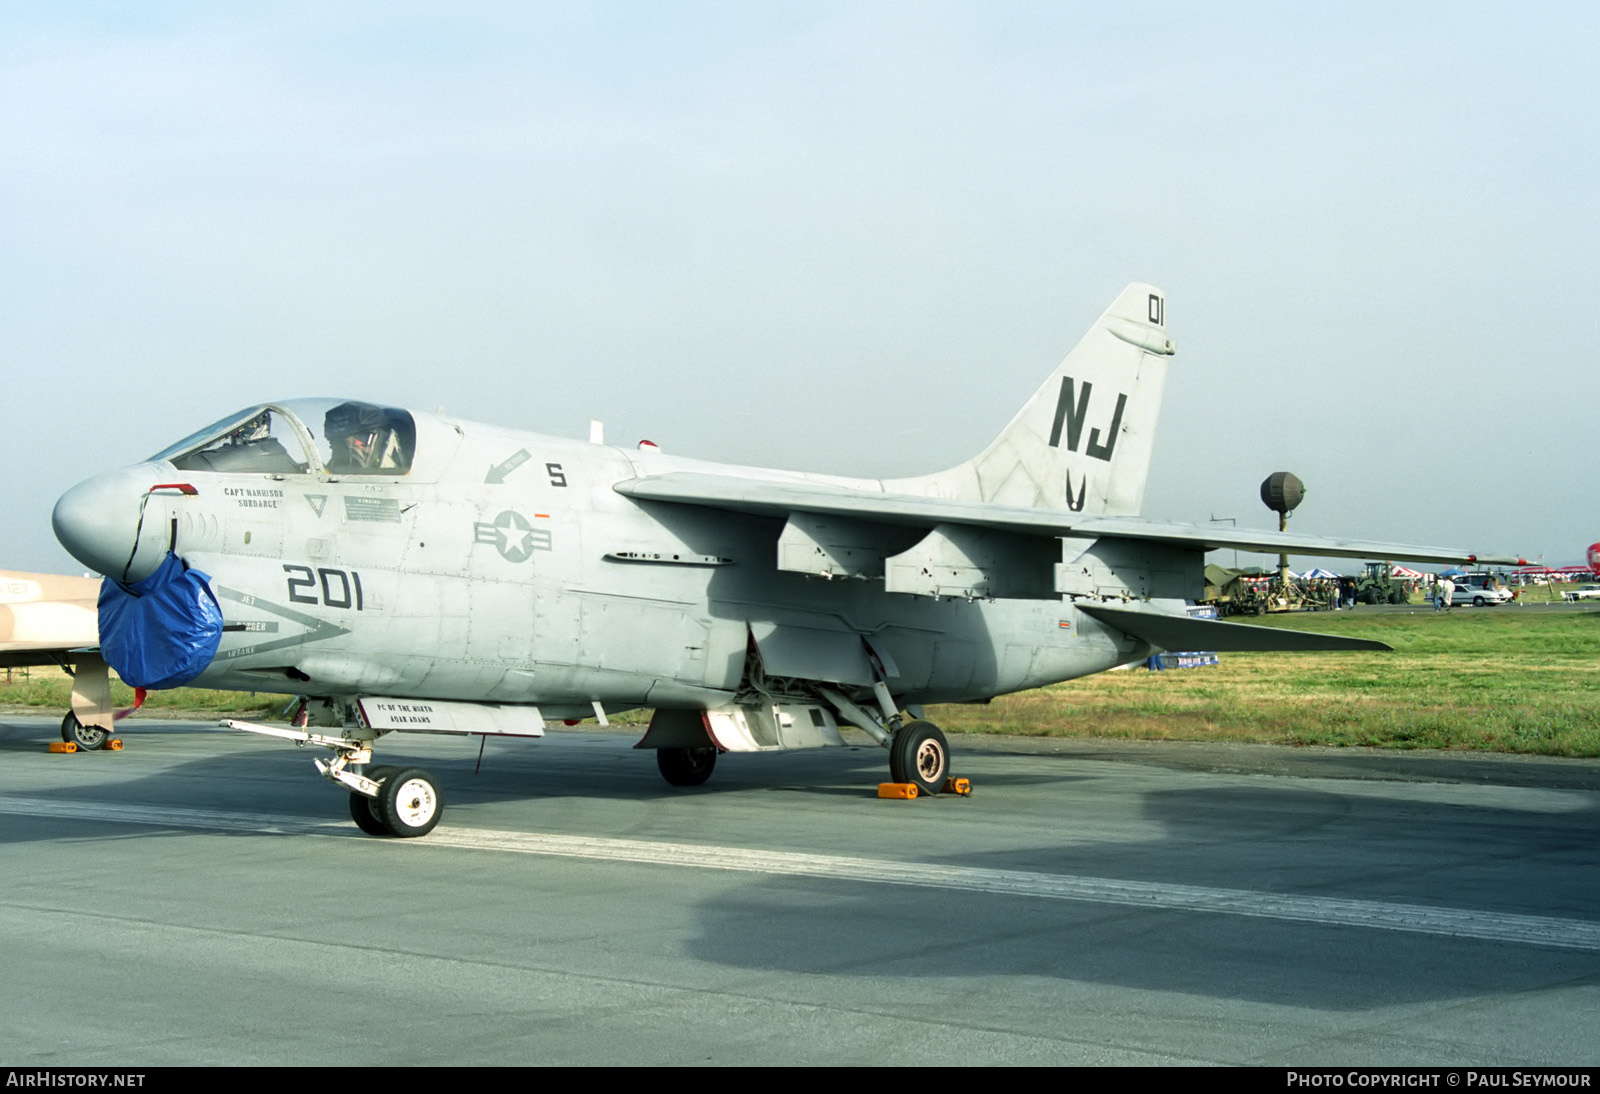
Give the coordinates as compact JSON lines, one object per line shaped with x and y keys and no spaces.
{"x":1377,"y":585}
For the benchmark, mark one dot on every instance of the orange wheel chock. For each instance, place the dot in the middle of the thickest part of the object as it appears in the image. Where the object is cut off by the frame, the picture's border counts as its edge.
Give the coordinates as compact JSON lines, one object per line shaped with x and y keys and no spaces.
{"x":897,"y":790}
{"x":63,"y":746}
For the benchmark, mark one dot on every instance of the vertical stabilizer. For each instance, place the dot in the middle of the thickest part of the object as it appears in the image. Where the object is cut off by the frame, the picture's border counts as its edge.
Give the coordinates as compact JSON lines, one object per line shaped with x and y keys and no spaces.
{"x":1083,"y":442}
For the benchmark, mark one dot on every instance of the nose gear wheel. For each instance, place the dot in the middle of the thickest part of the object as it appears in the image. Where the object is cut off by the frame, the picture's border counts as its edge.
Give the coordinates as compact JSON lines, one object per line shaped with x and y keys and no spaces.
{"x":87,"y":738}
{"x":408,"y":802}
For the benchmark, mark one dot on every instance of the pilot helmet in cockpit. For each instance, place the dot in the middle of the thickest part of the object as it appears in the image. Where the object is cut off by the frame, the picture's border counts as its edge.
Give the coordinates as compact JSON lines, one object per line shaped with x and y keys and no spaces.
{"x":365,"y":440}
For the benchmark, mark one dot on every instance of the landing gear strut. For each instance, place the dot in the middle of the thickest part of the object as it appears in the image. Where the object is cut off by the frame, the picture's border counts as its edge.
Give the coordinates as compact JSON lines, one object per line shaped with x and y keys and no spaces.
{"x":918,"y":751}
{"x":384,"y":800}
{"x":91,"y":704}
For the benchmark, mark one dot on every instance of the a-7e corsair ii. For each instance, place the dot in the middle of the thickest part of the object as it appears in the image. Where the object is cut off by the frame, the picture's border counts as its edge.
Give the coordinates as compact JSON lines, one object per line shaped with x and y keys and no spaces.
{"x":405,"y":571}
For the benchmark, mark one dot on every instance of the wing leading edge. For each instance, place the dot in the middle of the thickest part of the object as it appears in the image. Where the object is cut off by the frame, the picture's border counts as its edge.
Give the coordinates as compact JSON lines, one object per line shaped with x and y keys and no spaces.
{"x":775,"y":498}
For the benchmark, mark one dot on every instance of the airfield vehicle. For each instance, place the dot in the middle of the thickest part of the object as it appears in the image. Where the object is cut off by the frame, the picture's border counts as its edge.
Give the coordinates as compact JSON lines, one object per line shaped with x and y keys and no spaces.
{"x":1377,"y":585}
{"x":1479,"y":590}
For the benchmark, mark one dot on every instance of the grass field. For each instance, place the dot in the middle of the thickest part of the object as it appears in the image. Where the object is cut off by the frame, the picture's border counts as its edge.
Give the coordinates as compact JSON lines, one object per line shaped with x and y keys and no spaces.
{"x":1495,"y":679}
{"x":51,"y":688}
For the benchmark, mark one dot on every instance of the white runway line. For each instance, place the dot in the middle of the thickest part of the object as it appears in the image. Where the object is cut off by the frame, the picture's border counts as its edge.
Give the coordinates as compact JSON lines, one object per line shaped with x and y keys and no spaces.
{"x":1575,"y":934}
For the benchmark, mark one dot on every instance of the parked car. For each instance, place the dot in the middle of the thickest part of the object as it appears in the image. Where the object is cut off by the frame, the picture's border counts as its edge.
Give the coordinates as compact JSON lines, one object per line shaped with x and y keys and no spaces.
{"x":1480,"y":595}
{"x":1466,"y":594}
{"x":1479,"y":590}
{"x":1582,"y":592}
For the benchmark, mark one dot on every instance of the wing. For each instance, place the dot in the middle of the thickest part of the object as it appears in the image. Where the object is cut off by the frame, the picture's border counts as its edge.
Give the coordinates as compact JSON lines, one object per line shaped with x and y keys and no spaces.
{"x":43,"y":616}
{"x":783,"y":498}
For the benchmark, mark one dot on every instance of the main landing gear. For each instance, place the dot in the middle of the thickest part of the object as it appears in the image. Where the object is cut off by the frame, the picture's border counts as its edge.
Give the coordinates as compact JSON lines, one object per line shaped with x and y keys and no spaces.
{"x":384,"y":800}
{"x":686,"y":766}
{"x":919,"y":753}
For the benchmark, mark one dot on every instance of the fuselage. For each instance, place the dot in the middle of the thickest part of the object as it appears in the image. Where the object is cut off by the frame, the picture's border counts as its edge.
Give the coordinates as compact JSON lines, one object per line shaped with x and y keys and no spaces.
{"x":491,"y":565}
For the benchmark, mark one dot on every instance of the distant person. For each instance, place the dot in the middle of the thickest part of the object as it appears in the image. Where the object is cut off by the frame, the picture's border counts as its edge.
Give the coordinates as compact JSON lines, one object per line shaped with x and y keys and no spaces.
{"x":1446,"y":593}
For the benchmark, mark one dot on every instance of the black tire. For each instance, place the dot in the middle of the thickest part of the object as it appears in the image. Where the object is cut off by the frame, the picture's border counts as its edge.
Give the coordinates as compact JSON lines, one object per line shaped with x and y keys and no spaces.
{"x":919,"y":754}
{"x":408,"y":803}
{"x":1477,"y":602}
{"x":364,"y":810}
{"x":87,"y":738}
{"x":686,"y":766}
{"x":366,"y":820}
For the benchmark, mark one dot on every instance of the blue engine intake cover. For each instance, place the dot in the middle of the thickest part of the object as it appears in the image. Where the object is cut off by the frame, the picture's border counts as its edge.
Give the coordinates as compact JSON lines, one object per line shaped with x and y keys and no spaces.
{"x":163,"y":631}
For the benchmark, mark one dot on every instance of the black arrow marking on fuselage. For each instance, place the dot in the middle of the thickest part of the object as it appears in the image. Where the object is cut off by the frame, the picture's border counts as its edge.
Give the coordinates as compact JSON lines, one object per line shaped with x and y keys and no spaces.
{"x":316,"y":629}
{"x":1076,"y":505}
{"x":497,"y":473}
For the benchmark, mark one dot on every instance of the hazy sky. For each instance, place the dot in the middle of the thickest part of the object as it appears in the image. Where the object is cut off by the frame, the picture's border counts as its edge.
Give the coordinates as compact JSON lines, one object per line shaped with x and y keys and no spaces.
{"x":845,"y":237}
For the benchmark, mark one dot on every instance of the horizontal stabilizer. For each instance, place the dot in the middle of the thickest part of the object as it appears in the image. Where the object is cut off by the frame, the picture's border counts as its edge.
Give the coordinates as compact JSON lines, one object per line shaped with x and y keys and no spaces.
{"x":1182,"y":632}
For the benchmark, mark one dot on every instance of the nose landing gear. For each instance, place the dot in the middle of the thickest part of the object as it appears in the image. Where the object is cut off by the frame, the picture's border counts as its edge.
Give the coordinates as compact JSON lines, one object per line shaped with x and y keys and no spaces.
{"x":87,"y":738}
{"x":384,"y":800}
{"x":87,"y":722}
{"x":408,"y":802}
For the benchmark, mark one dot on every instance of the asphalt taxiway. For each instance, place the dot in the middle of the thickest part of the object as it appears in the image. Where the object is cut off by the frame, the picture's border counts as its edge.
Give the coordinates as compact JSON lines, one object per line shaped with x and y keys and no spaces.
{"x":202,"y":898}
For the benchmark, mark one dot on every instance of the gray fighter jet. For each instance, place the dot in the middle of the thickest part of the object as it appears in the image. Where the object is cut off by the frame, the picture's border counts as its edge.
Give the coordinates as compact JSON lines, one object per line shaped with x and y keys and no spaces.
{"x":406,"y":571}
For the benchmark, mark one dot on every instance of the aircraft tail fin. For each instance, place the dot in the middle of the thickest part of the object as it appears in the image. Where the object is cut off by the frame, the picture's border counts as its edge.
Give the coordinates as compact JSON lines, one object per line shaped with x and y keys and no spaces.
{"x":1082,"y":443}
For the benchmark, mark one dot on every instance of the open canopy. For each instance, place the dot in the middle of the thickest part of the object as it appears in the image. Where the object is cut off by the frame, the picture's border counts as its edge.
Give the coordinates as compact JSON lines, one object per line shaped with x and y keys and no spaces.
{"x":302,"y":436}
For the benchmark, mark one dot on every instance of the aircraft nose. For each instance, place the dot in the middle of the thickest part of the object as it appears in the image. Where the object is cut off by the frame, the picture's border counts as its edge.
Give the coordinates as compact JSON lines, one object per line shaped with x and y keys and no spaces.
{"x":113,"y":525}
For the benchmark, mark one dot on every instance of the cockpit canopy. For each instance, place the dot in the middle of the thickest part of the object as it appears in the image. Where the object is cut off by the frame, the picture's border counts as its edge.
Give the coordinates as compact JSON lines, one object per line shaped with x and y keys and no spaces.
{"x":302,"y":436}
